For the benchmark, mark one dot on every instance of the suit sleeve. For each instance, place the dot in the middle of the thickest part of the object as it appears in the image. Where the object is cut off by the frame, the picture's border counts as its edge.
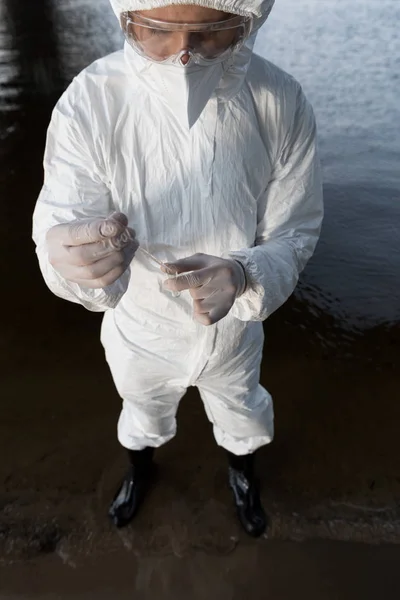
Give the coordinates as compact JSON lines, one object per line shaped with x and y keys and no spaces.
{"x":74,"y":188}
{"x":289,"y":220}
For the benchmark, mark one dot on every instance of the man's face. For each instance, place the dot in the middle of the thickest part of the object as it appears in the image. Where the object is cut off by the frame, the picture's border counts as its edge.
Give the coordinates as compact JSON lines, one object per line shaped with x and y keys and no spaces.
{"x":159,"y":44}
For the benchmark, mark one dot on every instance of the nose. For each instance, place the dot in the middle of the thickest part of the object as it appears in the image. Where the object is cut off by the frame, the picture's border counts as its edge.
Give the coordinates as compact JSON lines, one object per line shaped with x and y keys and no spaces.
{"x":182,"y":42}
{"x":185,"y":59}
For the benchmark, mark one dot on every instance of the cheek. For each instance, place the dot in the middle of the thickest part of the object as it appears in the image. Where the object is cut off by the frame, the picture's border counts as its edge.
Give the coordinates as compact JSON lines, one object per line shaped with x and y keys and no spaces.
{"x":222,"y":41}
{"x":138,"y":33}
{"x":228,"y":37}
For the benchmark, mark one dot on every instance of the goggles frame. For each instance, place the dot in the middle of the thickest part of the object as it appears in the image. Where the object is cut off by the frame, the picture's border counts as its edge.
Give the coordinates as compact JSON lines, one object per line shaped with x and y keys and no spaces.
{"x":198,"y":58}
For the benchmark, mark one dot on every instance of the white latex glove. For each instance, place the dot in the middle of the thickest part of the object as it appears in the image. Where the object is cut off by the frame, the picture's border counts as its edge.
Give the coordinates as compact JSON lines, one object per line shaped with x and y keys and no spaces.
{"x":214,"y":284}
{"x":92,"y":252}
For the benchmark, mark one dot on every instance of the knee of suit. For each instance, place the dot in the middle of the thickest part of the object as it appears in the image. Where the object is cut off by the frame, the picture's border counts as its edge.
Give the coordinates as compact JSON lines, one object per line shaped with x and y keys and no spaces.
{"x":137,"y":429}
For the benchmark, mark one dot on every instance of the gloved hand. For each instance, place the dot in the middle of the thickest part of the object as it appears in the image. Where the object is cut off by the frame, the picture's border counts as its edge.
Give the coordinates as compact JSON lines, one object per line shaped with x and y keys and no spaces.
{"x":92,"y":252}
{"x":214,"y":284}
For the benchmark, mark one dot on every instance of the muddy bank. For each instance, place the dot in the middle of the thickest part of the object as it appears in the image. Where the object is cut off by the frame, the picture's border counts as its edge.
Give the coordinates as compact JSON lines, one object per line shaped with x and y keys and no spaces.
{"x":317,"y":571}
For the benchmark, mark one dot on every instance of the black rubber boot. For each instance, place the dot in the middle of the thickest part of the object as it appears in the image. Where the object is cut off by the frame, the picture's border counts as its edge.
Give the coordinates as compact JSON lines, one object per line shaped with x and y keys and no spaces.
{"x":246,"y":494}
{"x":133,"y":488}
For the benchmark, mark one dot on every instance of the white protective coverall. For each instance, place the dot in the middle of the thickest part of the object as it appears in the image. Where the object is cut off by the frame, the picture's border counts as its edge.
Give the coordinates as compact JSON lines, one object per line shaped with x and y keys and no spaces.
{"x":241,"y":179}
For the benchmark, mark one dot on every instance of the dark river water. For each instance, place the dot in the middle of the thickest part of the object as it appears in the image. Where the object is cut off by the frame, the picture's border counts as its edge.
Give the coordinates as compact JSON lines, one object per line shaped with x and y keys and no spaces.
{"x":347,"y":57}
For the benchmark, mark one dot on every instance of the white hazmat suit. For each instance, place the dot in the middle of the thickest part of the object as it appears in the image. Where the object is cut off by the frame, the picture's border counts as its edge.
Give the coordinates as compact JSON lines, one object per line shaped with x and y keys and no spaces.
{"x":219,"y":160}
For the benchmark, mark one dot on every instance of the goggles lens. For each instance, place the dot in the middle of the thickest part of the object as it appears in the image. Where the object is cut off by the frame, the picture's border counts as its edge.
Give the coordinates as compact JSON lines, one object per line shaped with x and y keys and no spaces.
{"x":161,"y":41}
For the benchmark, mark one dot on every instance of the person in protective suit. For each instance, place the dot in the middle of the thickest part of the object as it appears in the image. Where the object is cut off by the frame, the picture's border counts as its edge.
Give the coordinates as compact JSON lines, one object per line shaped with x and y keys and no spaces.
{"x":187,"y":146}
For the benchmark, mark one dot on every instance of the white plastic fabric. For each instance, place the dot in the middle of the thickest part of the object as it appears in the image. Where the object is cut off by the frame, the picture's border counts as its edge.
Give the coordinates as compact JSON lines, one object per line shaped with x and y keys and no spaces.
{"x":244,"y":182}
{"x":186,"y":90}
{"x":258,"y":8}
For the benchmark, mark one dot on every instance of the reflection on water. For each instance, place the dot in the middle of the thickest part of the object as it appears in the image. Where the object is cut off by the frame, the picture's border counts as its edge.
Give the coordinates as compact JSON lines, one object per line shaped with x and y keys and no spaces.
{"x":29,"y":49}
{"x":356,"y":268}
{"x":8,"y":65}
{"x":85,"y":31}
{"x":347,"y":56}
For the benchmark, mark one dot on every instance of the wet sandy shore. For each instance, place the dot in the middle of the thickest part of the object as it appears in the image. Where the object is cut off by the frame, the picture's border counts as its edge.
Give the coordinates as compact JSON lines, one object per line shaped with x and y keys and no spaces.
{"x":316,"y":571}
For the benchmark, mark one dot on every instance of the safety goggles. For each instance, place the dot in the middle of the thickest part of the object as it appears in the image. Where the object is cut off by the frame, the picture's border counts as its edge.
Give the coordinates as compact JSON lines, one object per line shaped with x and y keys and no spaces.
{"x":185,"y":43}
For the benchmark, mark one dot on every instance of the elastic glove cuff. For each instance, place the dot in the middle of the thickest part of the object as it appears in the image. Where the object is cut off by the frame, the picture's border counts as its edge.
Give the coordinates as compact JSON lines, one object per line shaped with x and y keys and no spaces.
{"x":242,"y":278}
